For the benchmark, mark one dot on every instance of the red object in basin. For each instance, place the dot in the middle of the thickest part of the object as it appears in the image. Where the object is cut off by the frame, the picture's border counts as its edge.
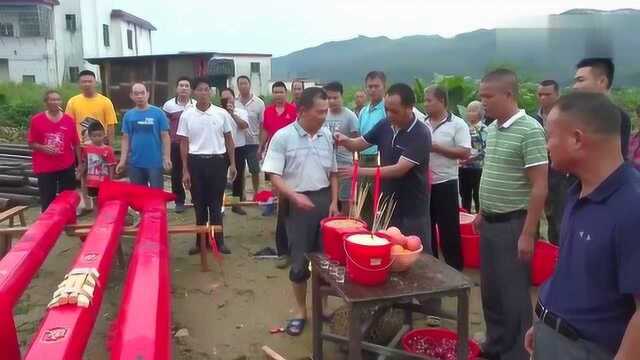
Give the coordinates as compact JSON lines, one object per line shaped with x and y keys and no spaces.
{"x":142,"y":329}
{"x":21,"y":263}
{"x":543,"y":264}
{"x":438,"y":343}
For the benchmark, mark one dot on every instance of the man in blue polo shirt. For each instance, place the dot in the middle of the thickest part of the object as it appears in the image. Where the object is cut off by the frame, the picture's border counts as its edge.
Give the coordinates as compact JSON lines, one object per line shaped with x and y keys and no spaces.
{"x":405,"y":144}
{"x":590,"y":308}
{"x":373,"y":112}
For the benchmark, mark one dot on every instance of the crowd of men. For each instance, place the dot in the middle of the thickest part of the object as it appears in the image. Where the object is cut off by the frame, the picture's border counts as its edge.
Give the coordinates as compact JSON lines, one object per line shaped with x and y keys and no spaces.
{"x":496,"y":159}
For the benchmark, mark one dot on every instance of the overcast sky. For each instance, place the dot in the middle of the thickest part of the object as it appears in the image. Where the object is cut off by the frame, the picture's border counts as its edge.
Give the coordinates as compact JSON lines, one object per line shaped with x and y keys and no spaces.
{"x":280,"y":27}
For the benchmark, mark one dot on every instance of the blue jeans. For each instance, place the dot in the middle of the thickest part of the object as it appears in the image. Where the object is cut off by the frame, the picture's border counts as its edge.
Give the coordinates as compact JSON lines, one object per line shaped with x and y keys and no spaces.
{"x":146,"y":177}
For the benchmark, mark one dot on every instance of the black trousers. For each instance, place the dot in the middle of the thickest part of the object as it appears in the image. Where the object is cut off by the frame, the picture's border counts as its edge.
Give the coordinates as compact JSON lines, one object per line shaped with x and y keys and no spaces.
{"x":176,"y":174}
{"x":470,"y":187}
{"x":238,"y":183}
{"x":445,"y":215}
{"x":282,"y":239}
{"x":208,"y":181}
{"x":51,"y":184}
{"x":554,"y":209}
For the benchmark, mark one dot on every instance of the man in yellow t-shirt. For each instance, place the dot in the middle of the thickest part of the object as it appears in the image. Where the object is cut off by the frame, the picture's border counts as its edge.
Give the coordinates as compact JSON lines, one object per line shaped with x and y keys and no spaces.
{"x":90,"y":106}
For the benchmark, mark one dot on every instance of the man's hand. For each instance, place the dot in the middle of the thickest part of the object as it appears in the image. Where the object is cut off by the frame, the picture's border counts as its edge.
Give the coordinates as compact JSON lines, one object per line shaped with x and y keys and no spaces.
{"x":525,"y":247}
{"x":333,"y":209}
{"x":232,"y":173}
{"x":120,"y":167}
{"x":49,"y":149}
{"x":302,"y":201}
{"x":345,"y":172}
{"x":476,"y":223}
{"x":166,"y":164}
{"x":529,"y":341}
{"x":230,"y":107}
{"x":340,"y":138}
{"x":186,"y":180}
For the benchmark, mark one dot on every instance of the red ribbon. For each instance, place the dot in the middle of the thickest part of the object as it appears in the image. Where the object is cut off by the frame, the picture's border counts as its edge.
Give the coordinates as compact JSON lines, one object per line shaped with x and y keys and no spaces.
{"x":214,"y":246}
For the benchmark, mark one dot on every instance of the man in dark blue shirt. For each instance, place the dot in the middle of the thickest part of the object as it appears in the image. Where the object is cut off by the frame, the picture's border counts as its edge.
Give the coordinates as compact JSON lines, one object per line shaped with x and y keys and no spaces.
{"x":404,"y":144}
{"x":590,"y":307}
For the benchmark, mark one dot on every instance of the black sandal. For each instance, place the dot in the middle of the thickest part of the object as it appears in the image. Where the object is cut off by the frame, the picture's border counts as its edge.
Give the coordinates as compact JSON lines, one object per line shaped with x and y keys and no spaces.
{"x":295,"y":327}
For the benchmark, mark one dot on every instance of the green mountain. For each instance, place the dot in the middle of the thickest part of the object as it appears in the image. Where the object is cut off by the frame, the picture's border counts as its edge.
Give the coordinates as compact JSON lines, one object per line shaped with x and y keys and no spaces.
{"x":536,"y":53}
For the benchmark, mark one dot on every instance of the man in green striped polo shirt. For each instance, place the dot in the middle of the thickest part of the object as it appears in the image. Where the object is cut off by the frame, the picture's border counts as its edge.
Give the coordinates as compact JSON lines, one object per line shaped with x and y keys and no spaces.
{"x":512,"y":195}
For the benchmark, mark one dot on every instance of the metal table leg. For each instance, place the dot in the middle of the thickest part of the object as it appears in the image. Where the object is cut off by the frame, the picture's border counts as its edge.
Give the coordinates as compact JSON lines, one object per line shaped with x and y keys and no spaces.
{"x":463,"y":324}
{"x":316,"y":315}
{"x":355,"y":333}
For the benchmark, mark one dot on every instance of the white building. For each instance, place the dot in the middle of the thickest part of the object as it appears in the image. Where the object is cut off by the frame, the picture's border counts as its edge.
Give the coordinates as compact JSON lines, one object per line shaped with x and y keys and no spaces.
{"x":46,"y":41}
{"x":224,"y":69}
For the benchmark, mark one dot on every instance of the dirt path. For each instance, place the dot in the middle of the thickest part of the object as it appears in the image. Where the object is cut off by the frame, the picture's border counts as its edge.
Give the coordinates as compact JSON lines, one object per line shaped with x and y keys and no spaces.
{"x":229,"y":321}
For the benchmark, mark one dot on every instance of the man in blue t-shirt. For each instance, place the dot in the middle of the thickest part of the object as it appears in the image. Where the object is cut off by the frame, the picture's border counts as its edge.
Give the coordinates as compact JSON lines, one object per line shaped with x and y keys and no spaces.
{"x":146,"y":144}
{"x":590,"y":308}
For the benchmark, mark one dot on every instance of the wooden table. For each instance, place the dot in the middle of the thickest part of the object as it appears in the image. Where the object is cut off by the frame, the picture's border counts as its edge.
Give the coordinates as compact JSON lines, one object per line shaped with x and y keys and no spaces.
{"x":429,"y":278}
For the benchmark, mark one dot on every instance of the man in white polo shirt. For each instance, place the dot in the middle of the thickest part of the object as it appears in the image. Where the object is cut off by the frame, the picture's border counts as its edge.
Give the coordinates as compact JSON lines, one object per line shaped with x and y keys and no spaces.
{"x":451,"y":142}
{"x":301,"y":160}
{"x":174,"y":108}
{"x":255,"y":107}
{"x":239,"y":127}
{"x":206,"y":144}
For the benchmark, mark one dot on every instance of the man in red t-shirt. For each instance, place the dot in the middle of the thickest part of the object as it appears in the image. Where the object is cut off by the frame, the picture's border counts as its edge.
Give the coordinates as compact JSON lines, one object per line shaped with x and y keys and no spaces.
{"x":54,"y":139}
{"x":276,"y":116}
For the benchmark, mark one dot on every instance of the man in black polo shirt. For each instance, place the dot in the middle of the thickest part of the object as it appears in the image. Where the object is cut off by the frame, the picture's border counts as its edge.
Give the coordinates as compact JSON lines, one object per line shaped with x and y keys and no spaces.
{"x":596,"y":75}
{"x":404,"y":144}
{"x":590,"y":308}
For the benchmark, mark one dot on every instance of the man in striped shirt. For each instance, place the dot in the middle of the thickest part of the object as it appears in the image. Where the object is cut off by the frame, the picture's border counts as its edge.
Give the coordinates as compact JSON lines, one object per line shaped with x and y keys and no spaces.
{"x":513,"y":190}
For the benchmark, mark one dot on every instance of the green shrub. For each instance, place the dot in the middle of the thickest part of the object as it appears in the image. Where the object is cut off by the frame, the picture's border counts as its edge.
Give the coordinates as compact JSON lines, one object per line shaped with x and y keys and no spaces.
{"x":18,"y":102}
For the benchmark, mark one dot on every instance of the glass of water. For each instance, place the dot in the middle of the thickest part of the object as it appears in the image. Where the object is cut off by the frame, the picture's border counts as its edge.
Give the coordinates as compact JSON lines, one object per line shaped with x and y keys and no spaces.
{"x":324,"y":264}
{"x":333,"y":265}
{"x":339,"y":274}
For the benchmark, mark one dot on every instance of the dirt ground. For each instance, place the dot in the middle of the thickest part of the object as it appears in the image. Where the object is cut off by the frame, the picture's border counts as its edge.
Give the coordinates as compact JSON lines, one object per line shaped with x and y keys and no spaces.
{"x":229,"y":321}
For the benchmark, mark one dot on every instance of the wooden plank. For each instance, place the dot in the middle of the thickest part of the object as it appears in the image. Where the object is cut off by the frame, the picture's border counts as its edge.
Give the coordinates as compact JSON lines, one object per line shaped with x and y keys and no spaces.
{"x":272,"y":354}
{"x":153,"y":81}
{"x":82,"y":230}
{"x":14,"y":211}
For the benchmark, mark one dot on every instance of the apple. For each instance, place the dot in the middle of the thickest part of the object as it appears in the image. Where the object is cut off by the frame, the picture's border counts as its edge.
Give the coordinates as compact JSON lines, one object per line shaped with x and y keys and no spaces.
{"x":413,"y":243}
{"x":397,"y":249}
{"x":395,"y":236}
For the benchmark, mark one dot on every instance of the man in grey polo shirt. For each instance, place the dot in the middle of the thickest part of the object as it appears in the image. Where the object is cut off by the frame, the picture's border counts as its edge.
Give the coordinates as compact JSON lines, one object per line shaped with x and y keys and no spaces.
{"x":255,"y":107}
{"x":451,"y":142}
{"x":342,"y":120}
{"x":301,"y":160}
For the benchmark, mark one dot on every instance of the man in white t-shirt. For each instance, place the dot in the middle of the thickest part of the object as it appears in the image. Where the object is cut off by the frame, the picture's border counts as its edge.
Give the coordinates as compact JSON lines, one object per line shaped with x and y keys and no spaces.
{"x":174,"y":108}
{"x":451,"y":142}
{"x":239,"y":125}
{"x":206,"y":144}
{"x":255,"y":107}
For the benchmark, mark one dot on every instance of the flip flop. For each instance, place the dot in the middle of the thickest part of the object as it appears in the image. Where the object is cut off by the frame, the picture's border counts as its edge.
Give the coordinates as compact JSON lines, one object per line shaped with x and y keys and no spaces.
{"x":295,"y":327}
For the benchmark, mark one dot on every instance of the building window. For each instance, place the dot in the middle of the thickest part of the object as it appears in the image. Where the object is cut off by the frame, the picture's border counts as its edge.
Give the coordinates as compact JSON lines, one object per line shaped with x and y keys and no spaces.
{"x":6,"y":29}
{"x":28,"y":78}
{"x":255,"y":67}
{"x":71,"y":22}
{"x":73,"y":73}
{"x":105,"y":35}
{"x":130,"y":39}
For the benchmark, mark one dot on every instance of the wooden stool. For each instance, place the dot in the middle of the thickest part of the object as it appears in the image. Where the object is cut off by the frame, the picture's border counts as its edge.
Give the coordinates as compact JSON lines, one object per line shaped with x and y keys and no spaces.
{"x":5,"y":240}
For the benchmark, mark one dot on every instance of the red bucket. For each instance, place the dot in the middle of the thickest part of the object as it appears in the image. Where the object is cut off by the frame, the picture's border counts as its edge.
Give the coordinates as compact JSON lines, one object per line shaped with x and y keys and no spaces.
{"x":466,"y":224}
{"x":333,"y":236}
{"x":543,"y":264}
{"x":437,"y":343}
{"x":367,"y":264}
{"x":471,"y":251}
